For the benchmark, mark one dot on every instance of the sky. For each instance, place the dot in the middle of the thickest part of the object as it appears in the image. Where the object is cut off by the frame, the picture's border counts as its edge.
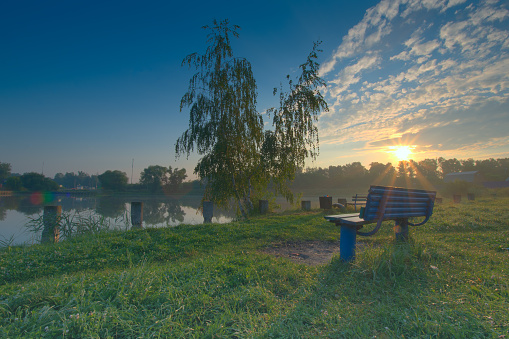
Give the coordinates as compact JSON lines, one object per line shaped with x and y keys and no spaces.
{"x":96,"y":85}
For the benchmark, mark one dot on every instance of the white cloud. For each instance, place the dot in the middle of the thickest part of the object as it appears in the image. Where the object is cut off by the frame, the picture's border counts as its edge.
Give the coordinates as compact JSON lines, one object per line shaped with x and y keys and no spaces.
{"x":367,"y":33}
{"x":351,"y":74}
{"x":417,"y":77}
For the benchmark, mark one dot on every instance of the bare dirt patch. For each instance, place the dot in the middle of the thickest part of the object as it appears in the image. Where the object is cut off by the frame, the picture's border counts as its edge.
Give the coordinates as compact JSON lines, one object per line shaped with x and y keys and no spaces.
{"x":312,"y":253}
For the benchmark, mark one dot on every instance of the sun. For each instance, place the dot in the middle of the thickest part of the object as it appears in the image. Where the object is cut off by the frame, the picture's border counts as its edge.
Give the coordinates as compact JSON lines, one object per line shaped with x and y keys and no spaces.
{"x":402,"y":153}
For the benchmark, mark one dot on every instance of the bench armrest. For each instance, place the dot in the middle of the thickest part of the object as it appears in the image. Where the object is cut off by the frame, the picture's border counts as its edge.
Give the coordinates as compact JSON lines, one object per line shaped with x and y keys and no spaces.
{"x":381,"y":212}
{"x":421,"y":223}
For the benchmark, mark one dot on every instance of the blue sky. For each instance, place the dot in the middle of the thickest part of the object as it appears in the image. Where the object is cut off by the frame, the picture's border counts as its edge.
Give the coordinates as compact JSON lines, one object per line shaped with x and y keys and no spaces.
{"x":89,"y":85}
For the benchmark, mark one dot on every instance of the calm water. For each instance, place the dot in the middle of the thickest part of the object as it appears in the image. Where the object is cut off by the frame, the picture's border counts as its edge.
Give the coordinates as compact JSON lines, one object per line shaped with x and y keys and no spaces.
{"x":158,"y":211}
{"x":17,"y":211}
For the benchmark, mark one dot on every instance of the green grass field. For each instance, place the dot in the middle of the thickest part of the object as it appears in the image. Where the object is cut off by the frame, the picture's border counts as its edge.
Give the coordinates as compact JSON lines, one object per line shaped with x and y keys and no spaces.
{"x":214,"y":281}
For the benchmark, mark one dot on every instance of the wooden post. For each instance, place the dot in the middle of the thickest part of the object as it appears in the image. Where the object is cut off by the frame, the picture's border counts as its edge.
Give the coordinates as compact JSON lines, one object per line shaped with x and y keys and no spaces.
{"x":263,"y":206}
{"x":137,"y":214}
{"x":305,"y":205}
{"x":326,"y":203}
{"x":208,"y":211}
{"x":51,"y":221}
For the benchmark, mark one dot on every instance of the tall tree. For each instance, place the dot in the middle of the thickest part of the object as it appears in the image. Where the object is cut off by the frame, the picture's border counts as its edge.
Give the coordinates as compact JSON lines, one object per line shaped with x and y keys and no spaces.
{"x":154,"y":177}
{"x":175,"y":179}
{"x":295,"y":135}
{"x":239,"y":157}
{"x":37,"y":182}
{"x":449,"y":165}
{"x":113,"y":180}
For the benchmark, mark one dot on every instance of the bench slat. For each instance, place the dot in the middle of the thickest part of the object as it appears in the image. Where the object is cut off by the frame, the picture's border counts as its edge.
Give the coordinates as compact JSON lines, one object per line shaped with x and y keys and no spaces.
{"x":341,"y":216}
{"x":400,"y":191}
{"x":399,"y":203}
{"x":353,"y":221}
{"x":390,"y":203}
{"x":396,"y":215}
{"x":399,"y":215}
{"x":399,"y":198}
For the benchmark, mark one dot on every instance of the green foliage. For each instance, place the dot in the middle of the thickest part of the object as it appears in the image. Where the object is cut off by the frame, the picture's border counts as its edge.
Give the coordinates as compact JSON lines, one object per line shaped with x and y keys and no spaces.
{"x":113,"y":180}
{"x":13,"y":184}
{"x":491,"y":169}
{"x":37,"y":182}
{"x":175,"y":179}
{"x":5,"y":171}
{"x":295,"y":136}
{"x":450,"y":280}
{"x":426,"y":174}
{"x":158,"y":178}
{"x":72,"y":180}
{"x":223,"y":124}
{"x":153,"y":177}
{"x":239,"y":158}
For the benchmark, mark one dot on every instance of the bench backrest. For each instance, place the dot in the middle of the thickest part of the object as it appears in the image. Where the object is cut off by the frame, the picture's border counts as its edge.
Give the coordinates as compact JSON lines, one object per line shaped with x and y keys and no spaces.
{"x":390,"y":203}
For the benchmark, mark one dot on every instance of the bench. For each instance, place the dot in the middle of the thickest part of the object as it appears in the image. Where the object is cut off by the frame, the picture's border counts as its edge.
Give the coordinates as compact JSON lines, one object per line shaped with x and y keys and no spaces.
{"x":358,"y":200}
{"x":382,"y":204}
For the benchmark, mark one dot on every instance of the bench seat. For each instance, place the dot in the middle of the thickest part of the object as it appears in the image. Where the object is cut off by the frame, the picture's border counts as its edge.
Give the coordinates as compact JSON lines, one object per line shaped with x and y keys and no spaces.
{"x":382,"y":204}
{"x":348,"y":219}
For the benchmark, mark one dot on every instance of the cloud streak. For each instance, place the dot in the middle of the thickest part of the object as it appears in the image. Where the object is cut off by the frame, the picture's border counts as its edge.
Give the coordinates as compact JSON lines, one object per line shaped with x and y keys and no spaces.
{"x":417,"y":67}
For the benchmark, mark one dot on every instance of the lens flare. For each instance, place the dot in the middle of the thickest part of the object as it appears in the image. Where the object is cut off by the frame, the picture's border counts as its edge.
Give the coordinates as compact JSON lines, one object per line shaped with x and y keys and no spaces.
{"x":38,"y":198}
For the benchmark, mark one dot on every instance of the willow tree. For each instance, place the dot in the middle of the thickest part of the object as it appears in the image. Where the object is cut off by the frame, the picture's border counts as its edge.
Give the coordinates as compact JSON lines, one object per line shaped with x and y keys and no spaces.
{"x":240,"y":158}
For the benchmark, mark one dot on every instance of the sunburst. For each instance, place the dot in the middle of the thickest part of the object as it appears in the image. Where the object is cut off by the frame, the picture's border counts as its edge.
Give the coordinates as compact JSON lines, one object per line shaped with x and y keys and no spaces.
{"x":401,"y":153}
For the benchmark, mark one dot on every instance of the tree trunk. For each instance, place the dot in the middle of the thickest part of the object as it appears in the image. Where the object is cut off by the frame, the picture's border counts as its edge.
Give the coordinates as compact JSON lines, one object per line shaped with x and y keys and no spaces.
{"x":242,"y":211}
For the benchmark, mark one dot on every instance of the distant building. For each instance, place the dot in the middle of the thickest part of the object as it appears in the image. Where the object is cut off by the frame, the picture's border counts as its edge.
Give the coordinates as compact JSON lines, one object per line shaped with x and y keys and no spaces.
{"x":472,"y":176}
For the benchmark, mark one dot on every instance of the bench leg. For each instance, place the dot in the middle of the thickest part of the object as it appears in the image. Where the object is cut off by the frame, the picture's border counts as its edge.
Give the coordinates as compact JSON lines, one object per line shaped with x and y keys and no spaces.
{"x":401,"y":230}
{"x":347,"y":240}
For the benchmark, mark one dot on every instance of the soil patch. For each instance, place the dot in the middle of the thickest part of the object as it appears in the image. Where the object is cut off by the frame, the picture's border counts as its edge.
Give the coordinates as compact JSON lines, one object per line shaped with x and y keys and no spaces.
{"x":307,"y":252}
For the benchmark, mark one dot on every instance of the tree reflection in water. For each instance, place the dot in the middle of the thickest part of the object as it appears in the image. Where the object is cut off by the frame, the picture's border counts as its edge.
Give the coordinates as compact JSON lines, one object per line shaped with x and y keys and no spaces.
{"x":25,"y":206}
{"x":157,"y":212}
{"x":89,"y":212}
{"x":111,"y":207}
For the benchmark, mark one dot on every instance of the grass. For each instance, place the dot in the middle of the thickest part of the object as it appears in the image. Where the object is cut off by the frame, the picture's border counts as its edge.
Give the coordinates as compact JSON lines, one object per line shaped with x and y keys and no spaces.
{"x":450,"y":280}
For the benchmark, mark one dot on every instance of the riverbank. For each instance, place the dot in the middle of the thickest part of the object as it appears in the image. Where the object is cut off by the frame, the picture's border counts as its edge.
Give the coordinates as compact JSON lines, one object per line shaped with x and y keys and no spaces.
{"x":236,"y":280}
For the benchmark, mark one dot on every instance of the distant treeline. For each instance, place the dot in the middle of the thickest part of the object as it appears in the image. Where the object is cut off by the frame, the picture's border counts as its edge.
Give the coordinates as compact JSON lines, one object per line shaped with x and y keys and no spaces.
{"x":422,"y":174}
{"x":73,"y":180}
{"x":159,"y":179}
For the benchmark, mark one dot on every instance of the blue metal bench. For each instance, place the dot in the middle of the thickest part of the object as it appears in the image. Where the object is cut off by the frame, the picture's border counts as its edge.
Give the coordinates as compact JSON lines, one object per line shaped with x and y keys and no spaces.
{"x":382,"y":204}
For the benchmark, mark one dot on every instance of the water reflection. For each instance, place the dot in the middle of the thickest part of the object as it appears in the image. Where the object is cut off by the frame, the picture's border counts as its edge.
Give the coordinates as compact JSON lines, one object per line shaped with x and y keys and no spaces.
{"x":110,"y":208}
{"x":158,"y":211}
{"x":155,"y":213}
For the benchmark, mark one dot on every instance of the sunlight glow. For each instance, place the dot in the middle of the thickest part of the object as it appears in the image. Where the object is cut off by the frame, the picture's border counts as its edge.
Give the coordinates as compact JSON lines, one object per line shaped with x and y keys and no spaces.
{"x":401,"y":153}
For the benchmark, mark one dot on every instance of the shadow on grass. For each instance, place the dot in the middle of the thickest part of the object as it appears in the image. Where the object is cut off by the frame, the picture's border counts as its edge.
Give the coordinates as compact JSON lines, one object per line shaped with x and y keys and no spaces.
{"x":386,"y":292}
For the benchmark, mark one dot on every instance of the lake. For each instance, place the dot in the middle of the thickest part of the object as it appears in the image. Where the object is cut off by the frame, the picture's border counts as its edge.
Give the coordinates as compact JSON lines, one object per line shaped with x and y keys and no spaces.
{"x":16,"y":212}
